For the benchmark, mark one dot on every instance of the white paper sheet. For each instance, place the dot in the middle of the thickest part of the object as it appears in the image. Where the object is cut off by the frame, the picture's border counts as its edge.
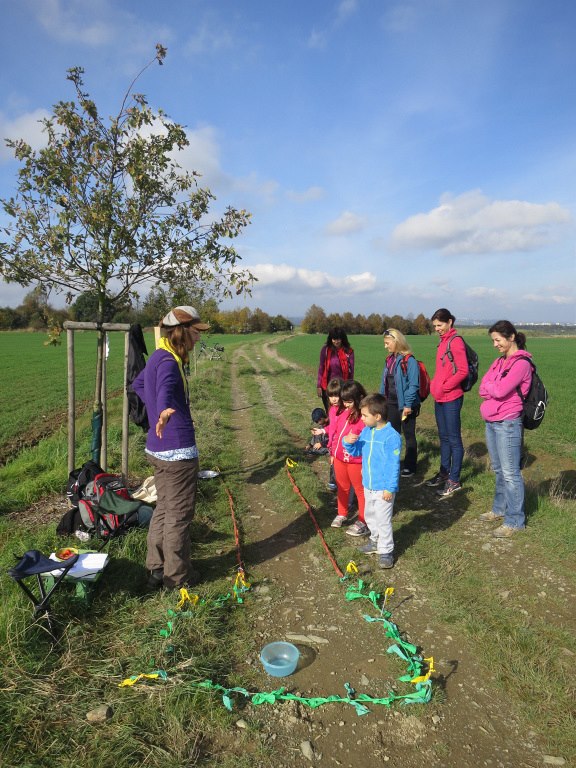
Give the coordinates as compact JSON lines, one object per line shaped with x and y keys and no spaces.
{"x":87,"y":567}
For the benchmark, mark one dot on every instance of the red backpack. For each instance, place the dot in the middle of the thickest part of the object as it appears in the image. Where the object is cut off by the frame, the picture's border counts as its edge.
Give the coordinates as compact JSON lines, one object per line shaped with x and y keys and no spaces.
{"x":423,"y":377}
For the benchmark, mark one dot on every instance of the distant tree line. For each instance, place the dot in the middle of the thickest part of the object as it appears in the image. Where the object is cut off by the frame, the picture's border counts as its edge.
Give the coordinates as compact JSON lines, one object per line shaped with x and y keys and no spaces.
{"x":317,"y":321}
{"x":36,"y":313}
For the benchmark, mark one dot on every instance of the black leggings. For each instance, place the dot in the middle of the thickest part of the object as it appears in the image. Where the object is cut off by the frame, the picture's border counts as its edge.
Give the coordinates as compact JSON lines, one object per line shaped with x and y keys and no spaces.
{"x":408,"y":428}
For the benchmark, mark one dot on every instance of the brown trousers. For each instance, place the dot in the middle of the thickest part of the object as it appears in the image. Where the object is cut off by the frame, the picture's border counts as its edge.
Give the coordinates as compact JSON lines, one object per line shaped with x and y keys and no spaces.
{"x":169,"y":542}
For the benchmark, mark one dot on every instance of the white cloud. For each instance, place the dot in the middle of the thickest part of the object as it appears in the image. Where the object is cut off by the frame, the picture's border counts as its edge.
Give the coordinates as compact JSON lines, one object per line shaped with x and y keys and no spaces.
{"x":345,"y":9}
{"x":543,"y":298}
{"x":209,"y":39}
{"x":346,"y":224}
{"x":480,"y":292}
{"x":308,"y":195}
{"x":27,"y":126}
{"x":294,"y":279}
{"x":472,"y":223}
{"x":76,"y":20}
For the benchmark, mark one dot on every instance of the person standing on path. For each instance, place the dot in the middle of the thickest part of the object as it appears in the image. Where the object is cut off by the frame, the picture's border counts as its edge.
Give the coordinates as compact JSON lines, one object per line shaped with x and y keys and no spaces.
{"x":504,"y":385}
{"x":336,"y":362}
{"x":446,"y":389}
{"x":171,"y":449}
{"x":400,"y":385}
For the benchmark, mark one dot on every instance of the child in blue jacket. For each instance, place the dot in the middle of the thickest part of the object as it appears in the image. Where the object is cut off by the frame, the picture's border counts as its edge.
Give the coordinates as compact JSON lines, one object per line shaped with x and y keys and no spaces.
{"x":379,"y":445}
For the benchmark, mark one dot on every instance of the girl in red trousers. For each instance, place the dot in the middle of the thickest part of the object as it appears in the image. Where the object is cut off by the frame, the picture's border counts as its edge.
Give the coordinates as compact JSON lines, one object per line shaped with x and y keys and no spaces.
{"x":347,"y":468}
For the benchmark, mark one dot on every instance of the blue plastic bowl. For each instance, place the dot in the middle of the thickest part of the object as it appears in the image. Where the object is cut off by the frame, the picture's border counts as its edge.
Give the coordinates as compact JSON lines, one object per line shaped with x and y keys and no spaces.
{"x":279,"y":659}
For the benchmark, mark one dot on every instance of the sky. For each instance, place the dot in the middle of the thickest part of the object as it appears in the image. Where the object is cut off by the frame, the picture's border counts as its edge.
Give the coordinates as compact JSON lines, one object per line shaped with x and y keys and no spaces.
{"x":397,"y":156}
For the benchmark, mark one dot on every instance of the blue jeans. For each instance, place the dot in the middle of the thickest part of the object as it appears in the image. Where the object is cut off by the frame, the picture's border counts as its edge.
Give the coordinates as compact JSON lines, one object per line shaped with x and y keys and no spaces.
{"x":449,"y":432}
{"x":504,"y":442}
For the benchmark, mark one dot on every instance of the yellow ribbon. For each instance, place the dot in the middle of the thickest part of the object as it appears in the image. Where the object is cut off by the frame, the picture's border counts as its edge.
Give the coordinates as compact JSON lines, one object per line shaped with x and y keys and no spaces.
{"x":351,"y":567}
{"x":135,"y":678}
{"x":186,"y":597}
{"x":290,"y":463}
{"x":423,"y":678}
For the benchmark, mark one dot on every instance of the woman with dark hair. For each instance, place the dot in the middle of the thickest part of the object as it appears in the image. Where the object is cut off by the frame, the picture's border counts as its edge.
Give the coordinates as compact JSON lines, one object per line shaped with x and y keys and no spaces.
{"x":502,"y":388}
{"x":446,"y":389}
{"x":336,"y":362}
{"x":171,"y":449}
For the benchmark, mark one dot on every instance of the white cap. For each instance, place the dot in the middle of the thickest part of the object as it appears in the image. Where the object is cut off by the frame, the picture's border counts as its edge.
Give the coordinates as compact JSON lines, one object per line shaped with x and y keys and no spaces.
{"x":183,"y":315}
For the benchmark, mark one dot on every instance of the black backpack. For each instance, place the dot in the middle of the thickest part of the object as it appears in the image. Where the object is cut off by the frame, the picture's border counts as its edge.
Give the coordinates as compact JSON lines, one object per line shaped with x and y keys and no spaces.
{"x":536,"y":398}
{"x":471,"y":359}
{"x":79,"y":478}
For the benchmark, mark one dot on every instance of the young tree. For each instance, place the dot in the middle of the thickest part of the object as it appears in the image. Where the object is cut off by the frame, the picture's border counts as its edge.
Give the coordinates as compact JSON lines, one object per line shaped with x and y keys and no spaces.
{"x":104,"y":207}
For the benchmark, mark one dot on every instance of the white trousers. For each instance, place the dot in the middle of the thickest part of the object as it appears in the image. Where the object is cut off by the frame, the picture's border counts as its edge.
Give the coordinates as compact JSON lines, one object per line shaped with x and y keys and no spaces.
{"x":378,"y":514}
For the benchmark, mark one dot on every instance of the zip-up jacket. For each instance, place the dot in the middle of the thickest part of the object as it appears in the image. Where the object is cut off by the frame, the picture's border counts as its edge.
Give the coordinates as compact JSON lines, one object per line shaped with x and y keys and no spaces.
{"x":380,"y":451}
{"x":446,"y":383}
{"x":501,"y":401}
{"x":407,"y":386}
{"x":342,"y":426}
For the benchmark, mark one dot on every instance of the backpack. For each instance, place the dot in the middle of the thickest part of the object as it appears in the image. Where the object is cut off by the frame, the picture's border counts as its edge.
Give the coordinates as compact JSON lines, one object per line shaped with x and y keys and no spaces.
{"x":106,"y":503}
{"x":471,"y":359}
{"x":79,"y":478}
{"x":536,"y":399}
{"x":424,"y":378}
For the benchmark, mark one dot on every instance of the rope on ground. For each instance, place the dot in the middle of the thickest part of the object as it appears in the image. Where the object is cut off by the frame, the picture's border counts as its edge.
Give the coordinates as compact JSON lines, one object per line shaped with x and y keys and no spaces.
{"x":298,"y":492}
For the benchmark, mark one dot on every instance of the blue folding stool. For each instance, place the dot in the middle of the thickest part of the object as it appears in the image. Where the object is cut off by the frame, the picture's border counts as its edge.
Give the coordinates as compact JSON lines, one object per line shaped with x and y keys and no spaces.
{"x":34,"y":563}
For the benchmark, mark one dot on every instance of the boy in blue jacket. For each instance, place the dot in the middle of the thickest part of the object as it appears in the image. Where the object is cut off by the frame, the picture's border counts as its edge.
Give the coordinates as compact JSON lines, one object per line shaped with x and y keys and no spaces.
{"x":379,"y":445}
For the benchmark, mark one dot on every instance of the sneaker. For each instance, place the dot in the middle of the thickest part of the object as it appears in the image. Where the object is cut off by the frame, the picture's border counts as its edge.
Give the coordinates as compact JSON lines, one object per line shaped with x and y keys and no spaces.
{"x":370,"y":548}
{"x":489,"y":517}
{"x":332,"y":486}
{"x":386,"y":561}
{"x":438,"y":479}
{"x":450,"y":488}
{"x":406,"y":472}
{"x":338,"y":521}
{"x":358,"y":529}
{"x":505,"y":531}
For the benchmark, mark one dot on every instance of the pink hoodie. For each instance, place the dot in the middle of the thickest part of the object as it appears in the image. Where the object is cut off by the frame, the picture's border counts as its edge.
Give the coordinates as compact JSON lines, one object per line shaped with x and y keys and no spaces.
{"x":445,"y":385}
{"x":340,"y":427}
{"x":501,"y":401}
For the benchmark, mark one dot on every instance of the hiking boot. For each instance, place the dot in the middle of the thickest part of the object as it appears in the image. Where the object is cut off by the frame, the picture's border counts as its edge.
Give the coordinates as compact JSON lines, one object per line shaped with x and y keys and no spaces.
{"x":450,"y":488}
{"x":438,"y":479}
{"x":386,"y":561}
{"x":505,"y":531}
{"x":155,"y":579}
{"x":369,"y":548}
{"x":489,"y":517}
{"x":338,"y":521}
{"x":332,"y":486}
{"x":358,"y":529}
{"x":406,"y":472}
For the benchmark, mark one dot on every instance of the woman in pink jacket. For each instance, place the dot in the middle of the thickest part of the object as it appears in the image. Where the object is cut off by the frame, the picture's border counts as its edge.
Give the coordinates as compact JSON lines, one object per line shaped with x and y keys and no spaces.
{"x":446,"y":389}
{"x":506,"y":380}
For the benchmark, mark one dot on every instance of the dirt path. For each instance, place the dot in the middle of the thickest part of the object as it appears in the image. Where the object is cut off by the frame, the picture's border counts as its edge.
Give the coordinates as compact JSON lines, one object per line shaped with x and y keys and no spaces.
{"x":299,"y":594}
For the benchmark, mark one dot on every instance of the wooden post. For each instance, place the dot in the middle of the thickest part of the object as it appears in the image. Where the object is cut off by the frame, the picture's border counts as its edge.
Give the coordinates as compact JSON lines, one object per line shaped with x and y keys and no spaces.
{"x":104,"y":443}
{"x":71,"y":400}
{"x":125,"y":424}
{"x":70,"y":327}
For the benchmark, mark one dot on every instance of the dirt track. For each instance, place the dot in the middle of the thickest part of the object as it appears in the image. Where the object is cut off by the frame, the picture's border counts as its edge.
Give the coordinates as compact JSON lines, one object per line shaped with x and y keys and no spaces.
{"x":468,"y":723}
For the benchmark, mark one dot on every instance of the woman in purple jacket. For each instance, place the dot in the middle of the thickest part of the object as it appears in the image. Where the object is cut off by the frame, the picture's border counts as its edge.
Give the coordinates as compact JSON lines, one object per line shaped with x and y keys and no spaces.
{"x":501,"y":408}
{"x":171,"y":449}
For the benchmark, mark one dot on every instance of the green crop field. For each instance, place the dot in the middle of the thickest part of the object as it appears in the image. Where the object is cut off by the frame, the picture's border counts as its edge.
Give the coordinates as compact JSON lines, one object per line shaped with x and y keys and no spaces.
{"x":34,"y":379}
{"x":555,"y":358}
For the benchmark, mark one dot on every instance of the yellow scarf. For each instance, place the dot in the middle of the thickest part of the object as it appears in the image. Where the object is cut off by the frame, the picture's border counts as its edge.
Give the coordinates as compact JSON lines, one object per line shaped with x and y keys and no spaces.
{"x":164,"y":344}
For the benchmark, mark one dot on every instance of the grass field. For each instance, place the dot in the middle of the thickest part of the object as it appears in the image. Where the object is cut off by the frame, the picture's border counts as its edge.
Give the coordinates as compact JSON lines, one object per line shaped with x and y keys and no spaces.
{"x":514,"y":610}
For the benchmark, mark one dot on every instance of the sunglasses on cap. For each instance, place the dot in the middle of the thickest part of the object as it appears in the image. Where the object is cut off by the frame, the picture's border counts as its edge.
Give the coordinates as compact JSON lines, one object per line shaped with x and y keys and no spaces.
{"x":389,"y":333}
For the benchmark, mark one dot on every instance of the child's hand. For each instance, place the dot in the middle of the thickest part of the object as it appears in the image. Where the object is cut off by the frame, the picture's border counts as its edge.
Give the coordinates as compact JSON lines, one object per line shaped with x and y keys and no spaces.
{"x":387,"y":496}
{"x":351,"y":438}
{"x":317,"y":431}
{"x":317,"y":446}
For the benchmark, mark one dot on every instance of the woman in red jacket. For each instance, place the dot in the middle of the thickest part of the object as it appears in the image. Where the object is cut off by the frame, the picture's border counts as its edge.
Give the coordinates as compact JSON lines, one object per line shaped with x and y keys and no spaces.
{"x":336,"y":362}
{"x":446,"y":389}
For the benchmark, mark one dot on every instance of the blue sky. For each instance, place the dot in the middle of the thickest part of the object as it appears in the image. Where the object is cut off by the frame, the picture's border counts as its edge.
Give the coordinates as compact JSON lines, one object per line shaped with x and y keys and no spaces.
{"x":396,"y":156}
